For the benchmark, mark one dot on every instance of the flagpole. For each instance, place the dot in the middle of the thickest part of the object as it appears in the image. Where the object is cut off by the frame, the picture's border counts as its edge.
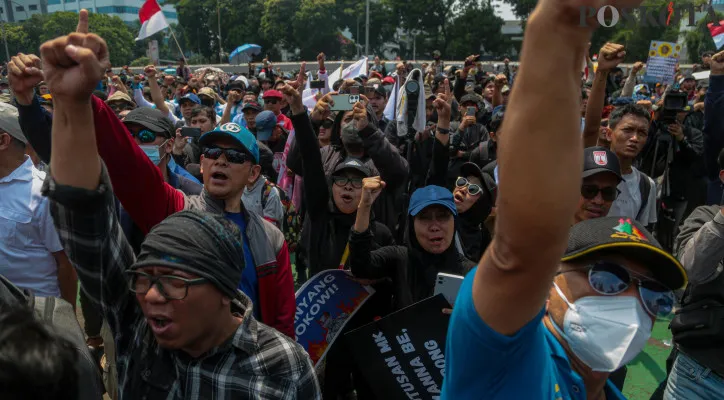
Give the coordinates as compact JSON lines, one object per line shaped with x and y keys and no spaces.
{"x":178,"y":45}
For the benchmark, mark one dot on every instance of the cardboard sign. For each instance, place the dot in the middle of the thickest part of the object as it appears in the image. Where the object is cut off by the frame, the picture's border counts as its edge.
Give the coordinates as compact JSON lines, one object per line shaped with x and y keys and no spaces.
{"x":324,"y":305}
{"x":402,"y":355}
{"x":661,"y":63}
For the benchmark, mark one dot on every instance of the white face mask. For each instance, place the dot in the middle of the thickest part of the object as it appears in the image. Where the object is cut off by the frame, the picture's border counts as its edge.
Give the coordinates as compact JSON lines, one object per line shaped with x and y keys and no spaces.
{"x":605,"y":332}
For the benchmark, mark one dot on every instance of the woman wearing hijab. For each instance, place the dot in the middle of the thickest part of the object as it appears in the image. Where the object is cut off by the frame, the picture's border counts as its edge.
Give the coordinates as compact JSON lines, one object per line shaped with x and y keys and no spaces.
{"x":429,"y":246}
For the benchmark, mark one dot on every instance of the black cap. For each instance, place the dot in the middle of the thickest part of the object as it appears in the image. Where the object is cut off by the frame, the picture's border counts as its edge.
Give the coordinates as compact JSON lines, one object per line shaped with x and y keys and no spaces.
{"x":378,"y":88}
{"x":471,"y":169}
{"x":599,"y":159}
{"x":355,"y":164}
{"x":236,"y":85}
{"x":151,"y":119}
{"x":252,"y":105}
{"x":598,"y":237}
{"x":471,"y":98}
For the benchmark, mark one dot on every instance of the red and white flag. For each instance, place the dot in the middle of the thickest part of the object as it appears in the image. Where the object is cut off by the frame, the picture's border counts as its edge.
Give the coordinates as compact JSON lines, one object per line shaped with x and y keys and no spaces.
{"x":152,"y":19}
{"x":717,"y":33}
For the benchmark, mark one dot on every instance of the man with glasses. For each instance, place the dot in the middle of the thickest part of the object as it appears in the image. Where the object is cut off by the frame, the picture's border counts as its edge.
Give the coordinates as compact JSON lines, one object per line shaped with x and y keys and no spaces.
{"x":552,"y":310}
{"x":227,"y":165}
{"x":601,"y":176}
{"x":273,"y":102}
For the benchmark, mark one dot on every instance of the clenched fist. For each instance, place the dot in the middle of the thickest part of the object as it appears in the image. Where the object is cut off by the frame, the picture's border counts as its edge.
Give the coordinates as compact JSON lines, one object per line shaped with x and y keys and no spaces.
{"x":23,"y":74}
{"x":73,"y":65}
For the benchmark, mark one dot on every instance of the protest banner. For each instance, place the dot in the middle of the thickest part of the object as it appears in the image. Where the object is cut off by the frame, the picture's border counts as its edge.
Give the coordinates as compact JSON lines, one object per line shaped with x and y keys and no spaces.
{"x":402,"y":355}
{"x":661,"y":63}
{"x":324,"y":305}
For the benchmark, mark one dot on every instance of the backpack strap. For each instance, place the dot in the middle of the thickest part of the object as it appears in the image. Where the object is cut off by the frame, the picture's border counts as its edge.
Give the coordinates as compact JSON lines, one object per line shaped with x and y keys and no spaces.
{"x":645,"y":190}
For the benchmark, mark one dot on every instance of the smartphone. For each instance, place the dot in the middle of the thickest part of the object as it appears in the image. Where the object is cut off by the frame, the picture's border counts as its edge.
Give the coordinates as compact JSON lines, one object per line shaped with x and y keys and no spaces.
{"x":316,"y":84}
{"x":471,"y":111}
{"x":448,"y":285}
{"x":343,"y":102}
{"x":191,"y":132}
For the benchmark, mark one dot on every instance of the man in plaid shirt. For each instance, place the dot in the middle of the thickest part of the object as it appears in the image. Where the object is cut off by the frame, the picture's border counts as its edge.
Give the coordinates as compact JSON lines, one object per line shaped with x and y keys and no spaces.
{"x":189,"y":333}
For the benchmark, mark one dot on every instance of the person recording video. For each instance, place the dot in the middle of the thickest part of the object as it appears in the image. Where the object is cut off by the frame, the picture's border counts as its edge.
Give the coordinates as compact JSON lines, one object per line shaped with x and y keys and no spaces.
{"x":673,"y":153}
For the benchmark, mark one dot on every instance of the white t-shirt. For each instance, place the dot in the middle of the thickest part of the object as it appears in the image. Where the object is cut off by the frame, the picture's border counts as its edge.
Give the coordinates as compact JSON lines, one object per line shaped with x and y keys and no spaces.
{"x":628,"y":202}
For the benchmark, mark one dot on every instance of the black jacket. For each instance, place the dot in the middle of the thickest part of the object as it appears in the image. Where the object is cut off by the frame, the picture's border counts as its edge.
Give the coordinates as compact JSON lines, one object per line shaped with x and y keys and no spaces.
{"x":466,"y":141}
{"x":413,"y":271}
{"x":381,"y":157}
{"x":326,"y":230}
{"x":473,"y":235}
{"x":686,"y":162}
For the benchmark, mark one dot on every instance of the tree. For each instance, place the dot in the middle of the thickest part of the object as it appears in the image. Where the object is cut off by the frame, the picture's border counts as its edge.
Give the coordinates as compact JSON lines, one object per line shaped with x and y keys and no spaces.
{"x":320,"y":15}
{"x":276,"y":26}
{"x":476,"y":26}
{"x":699,"y":40}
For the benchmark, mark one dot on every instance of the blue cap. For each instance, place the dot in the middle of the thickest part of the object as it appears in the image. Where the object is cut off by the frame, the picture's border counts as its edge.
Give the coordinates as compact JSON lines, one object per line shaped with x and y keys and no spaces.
{"x":431,"y":195}
{"x":190,"y":96}
{"x":265,"y":123}
{"x":240,"y":134}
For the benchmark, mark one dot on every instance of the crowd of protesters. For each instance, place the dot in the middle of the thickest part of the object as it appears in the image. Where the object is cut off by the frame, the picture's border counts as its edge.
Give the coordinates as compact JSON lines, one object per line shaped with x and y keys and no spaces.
{"x":183,"y":209}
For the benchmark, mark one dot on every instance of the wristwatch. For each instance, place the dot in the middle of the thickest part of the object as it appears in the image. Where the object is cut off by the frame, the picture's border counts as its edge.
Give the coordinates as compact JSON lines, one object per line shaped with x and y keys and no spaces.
{"x":443,"y":131}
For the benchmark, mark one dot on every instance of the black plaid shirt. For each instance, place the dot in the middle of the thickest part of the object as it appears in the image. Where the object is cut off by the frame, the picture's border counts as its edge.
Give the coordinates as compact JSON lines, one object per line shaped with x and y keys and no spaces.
{"x":258,"y":362}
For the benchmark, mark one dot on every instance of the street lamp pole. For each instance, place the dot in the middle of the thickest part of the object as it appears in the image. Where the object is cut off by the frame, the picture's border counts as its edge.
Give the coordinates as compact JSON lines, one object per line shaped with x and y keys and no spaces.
{"x":5,"y":39}
{"x":367,"y":30}
{"x":218,"y":16}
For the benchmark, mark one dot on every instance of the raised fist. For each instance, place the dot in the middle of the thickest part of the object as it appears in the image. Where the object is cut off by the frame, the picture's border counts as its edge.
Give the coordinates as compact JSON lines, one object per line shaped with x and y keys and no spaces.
{"x":74,"y":64}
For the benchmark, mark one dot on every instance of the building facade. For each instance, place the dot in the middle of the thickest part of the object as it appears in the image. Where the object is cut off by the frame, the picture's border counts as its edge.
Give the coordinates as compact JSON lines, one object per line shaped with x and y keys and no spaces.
{"x":127,"y":10}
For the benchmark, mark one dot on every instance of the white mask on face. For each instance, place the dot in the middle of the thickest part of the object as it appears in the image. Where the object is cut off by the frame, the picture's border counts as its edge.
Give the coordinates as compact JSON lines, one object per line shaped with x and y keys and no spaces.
{"x":605,"y":332}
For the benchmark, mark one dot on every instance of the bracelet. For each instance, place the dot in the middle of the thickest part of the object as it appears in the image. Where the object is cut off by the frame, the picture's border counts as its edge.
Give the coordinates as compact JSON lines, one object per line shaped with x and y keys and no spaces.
{"x":443,"y":131}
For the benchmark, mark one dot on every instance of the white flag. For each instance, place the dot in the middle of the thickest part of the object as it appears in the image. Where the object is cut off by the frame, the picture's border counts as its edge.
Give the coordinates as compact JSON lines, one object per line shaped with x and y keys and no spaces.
{"x":419,"y":123}
{"x":356,"y":69}
{"x":389,"y":112}
{"x":152,"y":19}
{"x":334,"y":78}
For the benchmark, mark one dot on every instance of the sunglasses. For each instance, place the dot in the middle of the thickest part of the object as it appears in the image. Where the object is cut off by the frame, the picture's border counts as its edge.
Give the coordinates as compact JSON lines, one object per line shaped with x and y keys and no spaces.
{"x":607,"y":193}
{"x":609,"y":279}
{"x":232,"y":156}
{"x":473,"y":189}
{"x":343,"y":181}
{"x":271,"y":101}
{"x":327,"y":124}
{"x":120,"y":107}
{"x":145,"y":136}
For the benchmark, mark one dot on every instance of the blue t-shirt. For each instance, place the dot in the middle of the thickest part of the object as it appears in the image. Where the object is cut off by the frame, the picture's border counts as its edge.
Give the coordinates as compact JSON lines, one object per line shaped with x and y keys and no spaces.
{"x":482,"y":363}
{"x":249,"y":281}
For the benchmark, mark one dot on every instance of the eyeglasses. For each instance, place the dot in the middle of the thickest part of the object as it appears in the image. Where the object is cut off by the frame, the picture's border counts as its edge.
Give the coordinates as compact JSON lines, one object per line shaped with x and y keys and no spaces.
{"x":232,"y":156}
{"x":271,"y":101}
{"x":609,"y":279}
{"x":607,"y":193}
{"x":473,"y":189}
{"x":171,"y":287}
{"x":327,"y":124}
{"x":343,"y":181}
{"x":145,"y":136}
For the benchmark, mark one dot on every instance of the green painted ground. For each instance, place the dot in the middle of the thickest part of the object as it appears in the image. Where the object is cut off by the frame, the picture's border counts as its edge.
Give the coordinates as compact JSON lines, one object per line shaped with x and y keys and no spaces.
{"x":647,"y":370}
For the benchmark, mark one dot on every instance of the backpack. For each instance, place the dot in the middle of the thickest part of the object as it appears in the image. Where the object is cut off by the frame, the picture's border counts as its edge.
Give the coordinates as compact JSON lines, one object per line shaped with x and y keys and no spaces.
{"x":59,"y":317}
{"x":645,"y":190}
{"x":291,"y":224}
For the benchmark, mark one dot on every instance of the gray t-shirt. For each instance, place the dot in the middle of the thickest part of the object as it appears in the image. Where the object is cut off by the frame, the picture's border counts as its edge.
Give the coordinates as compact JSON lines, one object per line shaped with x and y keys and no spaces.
{"x":272,"y":211}
{"x":628,"y":202}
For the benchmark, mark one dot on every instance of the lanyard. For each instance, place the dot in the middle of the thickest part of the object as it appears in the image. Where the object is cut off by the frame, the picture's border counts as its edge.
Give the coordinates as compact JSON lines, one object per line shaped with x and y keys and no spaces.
{"x":345,"y":256}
